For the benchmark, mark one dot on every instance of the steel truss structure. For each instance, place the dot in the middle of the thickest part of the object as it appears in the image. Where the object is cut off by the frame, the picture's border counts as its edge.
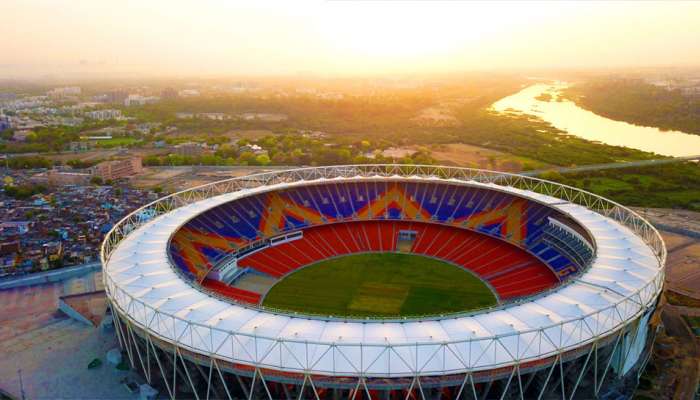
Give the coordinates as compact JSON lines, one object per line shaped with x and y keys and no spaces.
{"x":181,"y":364}
{"x":584,"y":373}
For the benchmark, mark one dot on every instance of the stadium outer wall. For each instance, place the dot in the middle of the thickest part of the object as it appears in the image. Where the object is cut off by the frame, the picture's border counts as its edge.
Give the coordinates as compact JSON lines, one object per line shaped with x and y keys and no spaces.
{"x":604,"y":367}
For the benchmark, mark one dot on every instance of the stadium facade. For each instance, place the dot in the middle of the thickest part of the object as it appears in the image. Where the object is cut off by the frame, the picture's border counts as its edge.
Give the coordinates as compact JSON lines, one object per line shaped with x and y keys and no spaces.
{"x":577,"y":277}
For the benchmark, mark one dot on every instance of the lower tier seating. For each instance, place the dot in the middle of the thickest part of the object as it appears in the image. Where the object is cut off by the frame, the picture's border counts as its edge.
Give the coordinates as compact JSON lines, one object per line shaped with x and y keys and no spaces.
{"x":511,"y":271}
{"x":241,"y":295}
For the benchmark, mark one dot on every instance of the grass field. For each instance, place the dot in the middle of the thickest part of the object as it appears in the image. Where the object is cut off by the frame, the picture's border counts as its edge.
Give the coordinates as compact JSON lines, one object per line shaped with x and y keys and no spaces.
{"x":116,"y":141}
{"x":386,"y":284}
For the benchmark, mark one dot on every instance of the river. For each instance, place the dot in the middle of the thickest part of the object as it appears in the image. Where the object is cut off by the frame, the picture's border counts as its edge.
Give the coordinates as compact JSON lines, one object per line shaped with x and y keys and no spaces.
{"x":569,"y":117}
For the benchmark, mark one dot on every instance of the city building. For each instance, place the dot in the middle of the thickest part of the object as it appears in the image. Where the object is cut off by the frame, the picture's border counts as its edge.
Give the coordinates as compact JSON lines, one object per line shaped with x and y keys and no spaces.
{"x":169,"y":93}
{"x":117,"y":169}
{"x":189,"y":93}
{"x":79,"y":146}
{"x":75,"y":214}
{"x":11,"y":228}
{"x":116,"y":96}
{"x":252,"y":148}
{"x":214,"y":116}
{"x":188,"y":149}
{"x":7,"y":96}
{"x":64,"y":92}
{"x":9,"y":255}
{"x":138,"y":100}
{"x":103,"y":115}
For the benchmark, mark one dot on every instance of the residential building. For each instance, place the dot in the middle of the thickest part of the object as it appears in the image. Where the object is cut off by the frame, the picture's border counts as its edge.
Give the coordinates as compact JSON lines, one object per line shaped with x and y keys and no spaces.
{"x":104,"y":115}
{"x":12,"y":228}
{"x":4,"y":123}
{"x":79,"y":146}
{"x":9,"y":255}
{"x":117,"y":169}
{"x":214,"y":116}
{"x":252,"y":148}
{"x":189,"y":93}
{"x":188,"y":149}
{"x":20,"y":136}
{"x":64,"y":92}
{"x":138,"y":100}
{"x":7,"y":96}
{"x":168,"y":93}
{"x":116,"y":96}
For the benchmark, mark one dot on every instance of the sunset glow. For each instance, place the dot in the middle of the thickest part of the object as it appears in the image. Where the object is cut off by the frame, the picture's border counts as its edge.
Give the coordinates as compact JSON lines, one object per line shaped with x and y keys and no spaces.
{"x":345,"y":37}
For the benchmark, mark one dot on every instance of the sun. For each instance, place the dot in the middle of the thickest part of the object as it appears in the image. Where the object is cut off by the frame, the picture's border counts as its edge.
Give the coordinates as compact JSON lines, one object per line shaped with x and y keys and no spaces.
{"x":413,"y":31}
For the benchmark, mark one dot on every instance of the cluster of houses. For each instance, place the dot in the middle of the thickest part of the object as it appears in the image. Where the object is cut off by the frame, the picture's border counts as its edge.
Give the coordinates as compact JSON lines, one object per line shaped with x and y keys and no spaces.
{"x":62,"y":227}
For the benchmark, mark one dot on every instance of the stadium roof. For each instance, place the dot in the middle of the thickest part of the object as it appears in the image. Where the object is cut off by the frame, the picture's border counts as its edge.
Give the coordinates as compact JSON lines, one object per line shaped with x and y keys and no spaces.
{"x":621,"y":284}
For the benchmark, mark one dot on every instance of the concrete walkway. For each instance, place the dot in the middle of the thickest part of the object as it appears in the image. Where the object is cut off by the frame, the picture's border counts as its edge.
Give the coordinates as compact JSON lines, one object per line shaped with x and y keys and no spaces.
{"x":56,"y":275}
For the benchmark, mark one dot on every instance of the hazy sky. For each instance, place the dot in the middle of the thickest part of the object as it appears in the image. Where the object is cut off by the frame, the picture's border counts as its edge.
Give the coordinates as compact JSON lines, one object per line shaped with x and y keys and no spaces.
{"x":226,"y":37}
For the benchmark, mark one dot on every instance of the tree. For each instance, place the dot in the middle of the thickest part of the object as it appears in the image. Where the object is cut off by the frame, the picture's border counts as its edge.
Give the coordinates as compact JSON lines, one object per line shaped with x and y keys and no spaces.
{"x":226,"y":150}
{"x":279,"y":158}
{"x":344,"y":156}
{"x":24,"y":191}
{"x":262,"y":159}
{"x":246,"y":158}
{"x":552,"y":176}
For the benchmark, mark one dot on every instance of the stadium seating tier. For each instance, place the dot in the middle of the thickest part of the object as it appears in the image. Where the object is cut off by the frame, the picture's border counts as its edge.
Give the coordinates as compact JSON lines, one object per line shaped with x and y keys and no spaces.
{"x":494,"y":234}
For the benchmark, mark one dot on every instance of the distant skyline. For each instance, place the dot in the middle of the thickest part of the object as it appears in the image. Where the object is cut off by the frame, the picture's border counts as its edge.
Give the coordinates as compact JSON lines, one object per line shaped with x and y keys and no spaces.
{"x":179,"y":38}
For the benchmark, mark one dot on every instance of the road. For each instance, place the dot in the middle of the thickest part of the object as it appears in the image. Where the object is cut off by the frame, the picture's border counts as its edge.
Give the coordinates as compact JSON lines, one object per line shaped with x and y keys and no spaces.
{"x":629,"y":164}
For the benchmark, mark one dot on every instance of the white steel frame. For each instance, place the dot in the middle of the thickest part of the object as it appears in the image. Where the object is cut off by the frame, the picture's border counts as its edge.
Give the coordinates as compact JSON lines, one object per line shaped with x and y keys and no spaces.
{"x":625,"y":313}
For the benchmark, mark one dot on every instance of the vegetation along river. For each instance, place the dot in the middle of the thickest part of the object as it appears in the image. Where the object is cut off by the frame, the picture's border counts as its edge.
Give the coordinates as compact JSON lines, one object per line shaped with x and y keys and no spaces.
{"x":566,"y":115}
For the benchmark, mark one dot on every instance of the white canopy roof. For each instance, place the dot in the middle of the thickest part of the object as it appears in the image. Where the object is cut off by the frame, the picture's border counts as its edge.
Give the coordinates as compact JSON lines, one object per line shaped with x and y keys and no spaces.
{"x":623,"y":281}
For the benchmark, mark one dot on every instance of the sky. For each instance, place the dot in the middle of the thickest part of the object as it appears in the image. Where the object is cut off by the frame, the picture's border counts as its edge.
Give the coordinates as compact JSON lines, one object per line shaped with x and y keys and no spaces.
{"x":182,"y":38}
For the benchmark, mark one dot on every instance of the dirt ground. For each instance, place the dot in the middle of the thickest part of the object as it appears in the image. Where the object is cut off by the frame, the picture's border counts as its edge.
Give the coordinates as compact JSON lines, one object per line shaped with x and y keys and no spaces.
{"x":173,"y":179}
{"x":440,"y":115}
{"x":32,"y":307}
{"x":674,"y":370}
{"x":52,"y":350}
{"x":683,"y":264}
{"x":465,"y":155}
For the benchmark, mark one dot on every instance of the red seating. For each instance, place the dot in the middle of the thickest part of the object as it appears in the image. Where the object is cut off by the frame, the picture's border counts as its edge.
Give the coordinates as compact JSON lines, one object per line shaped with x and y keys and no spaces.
{"x":232,"y":292}
{"x":511,"y":271}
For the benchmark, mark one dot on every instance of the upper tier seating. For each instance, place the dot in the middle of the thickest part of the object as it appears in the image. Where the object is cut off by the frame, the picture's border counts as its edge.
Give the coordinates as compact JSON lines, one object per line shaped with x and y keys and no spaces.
{"x":204,"y":240}
{"x":456,"y":213}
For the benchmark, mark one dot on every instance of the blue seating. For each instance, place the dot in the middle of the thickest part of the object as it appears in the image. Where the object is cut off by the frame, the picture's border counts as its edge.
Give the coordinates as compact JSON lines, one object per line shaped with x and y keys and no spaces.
{"x":244,"y":220}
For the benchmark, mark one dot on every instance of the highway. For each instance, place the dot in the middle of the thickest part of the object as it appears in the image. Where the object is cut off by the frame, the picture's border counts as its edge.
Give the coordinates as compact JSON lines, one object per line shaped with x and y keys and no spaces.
{"x":598,"y":167}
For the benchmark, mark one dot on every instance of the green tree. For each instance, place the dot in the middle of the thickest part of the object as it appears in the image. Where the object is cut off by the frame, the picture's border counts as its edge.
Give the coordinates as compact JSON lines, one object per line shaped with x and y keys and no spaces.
{"x":262,"y":159}
{"x":246,"y":158}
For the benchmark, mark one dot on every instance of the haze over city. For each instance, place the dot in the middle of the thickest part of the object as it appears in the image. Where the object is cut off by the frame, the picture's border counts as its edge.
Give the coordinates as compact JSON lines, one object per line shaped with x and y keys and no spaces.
{"x":305,"y":199}
{"x":78,"y":39}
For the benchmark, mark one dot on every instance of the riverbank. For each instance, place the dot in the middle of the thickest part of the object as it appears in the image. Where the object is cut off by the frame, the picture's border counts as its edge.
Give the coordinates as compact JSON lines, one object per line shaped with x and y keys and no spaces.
{"x":639,"y":103}
{"x":564,"y":114}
